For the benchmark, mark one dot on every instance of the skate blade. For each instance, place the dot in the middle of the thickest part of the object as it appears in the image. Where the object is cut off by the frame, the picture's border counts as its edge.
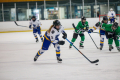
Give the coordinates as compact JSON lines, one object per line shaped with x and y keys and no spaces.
{"x":37,"y":41}
{"x":59,"y":61}
{"x":81,"y":47}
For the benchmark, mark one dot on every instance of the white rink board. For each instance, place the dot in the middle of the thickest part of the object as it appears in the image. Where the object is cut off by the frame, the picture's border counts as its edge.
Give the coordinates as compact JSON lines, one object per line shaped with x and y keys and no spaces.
{"x":66,"y":23}
{"x":17,"y":51}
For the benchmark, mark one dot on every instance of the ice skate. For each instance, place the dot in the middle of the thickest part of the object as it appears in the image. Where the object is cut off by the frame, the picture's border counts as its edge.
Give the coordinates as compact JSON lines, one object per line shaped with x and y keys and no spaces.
{"x":35,"y":58}
{"x":110,"y":48}
{"x":118,"y":48}
{"x":37,"y":40}
{"x":70,"y":47}
{"x":59,"y":60}
{"x":101,"y":47}
{"x":81,"y":46}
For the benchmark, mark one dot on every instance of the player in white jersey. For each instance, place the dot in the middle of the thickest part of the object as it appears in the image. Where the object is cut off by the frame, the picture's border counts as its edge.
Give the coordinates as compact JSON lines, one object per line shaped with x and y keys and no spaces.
{"x":102,"y":31}
{"x":51,"y":36}
{"x":36,"y":28}
{"x":111,"y":15}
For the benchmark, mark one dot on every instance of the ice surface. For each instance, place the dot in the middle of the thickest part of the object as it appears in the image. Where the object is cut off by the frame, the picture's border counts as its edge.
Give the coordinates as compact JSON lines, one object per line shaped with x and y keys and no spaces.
{"x":17,"y":51}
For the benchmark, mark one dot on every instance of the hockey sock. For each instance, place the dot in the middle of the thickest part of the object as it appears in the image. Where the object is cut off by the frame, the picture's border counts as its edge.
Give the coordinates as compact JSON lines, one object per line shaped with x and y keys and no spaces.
{"x":82,"y":40}
{"x":41,"y":37}
{"x":35,"y":36}
{"x":57,"y":47}
{"x":40,"y":52}
{"x":117,"y":43}
{"x":102,"y":40}
{"x":110,"y":41}
{"x":73,"y":40}
{"x":57,"y":54}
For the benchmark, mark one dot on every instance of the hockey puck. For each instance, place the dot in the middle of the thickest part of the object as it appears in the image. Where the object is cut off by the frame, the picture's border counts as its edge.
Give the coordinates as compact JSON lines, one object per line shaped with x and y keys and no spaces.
{"x":96,"y":64}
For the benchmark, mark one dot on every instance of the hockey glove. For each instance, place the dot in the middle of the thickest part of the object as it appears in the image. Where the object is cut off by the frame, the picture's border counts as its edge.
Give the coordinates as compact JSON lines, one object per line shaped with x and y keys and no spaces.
{"x":64,"y":35}
{"x":90,"y":31}
{"x":102,"y":21}
{"x":86,"y":28}
{"x":61,"y":42}
{"x":97,"y":24}
{"x":30,"y":26}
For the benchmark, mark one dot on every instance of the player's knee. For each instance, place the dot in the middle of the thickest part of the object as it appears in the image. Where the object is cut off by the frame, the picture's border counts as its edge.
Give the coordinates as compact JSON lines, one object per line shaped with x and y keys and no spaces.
{"x":75,"y":36}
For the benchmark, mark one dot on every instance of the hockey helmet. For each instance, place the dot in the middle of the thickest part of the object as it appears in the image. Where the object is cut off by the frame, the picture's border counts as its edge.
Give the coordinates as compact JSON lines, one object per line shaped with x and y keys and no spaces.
{"x":83,"y":18}
{"x":111,"y":9}
{"x":115,"y":25}
{"x":56,"y":23}
{"x":105,"y":18}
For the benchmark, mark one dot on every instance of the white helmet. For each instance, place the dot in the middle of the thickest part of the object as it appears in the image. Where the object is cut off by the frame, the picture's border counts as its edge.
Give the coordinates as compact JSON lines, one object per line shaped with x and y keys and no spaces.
{"x":111,"y":9}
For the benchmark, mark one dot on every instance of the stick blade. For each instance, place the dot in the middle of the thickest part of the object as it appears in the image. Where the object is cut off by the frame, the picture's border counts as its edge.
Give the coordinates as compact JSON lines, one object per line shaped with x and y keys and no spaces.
{"x":16,"y":23}
{"x":95,"y":61}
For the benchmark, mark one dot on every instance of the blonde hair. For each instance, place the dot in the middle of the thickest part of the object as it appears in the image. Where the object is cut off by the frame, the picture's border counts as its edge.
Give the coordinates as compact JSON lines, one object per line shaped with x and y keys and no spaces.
{"x":50,"y":28}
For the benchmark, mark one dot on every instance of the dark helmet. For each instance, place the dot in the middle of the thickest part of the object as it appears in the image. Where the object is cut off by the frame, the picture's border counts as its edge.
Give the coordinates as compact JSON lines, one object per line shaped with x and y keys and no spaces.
{"x":56,"y":23}
{"x":105,"y":18}
{"x":33,"y":17}
{"x":83,"y":18}
{"x":115,"y":25}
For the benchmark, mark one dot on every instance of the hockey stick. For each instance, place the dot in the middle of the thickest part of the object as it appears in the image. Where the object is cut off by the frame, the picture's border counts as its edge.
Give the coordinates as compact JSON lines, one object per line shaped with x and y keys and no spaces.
{"x":89,"y":35}
{"x":20,"y":25}
{"x":82,"y":53}
{"x":93,"y":41}
{"x":77,"y":29}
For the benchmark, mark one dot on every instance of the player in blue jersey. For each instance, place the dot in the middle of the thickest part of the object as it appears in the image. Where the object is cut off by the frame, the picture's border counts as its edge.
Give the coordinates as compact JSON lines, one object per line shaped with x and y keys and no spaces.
{"x":111,"y":16}
{"x":51,"y":37}
{"x":36,"y":28}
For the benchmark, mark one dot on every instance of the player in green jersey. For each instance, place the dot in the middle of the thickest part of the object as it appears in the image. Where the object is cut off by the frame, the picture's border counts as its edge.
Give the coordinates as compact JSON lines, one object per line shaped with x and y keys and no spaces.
{"x":80,"y":29}
{"x":112,"y":33}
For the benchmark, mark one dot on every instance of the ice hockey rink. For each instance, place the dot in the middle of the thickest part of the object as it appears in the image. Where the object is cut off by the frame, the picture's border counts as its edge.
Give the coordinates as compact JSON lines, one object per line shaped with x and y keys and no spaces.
{"x":17,"y":51}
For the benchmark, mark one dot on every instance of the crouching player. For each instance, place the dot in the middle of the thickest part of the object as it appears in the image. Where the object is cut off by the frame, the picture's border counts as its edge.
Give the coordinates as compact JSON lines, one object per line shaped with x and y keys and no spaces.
{"x":36,"y":28}
{"x":113,"y":33}
{"x":80,"y":31}
{"x":102,"y":31}
{"x":51,"y":36}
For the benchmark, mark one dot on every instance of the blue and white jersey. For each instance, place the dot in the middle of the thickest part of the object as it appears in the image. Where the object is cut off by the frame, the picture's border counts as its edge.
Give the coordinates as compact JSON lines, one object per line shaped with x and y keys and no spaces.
{"x":111,"y":14}
{"x":35,"y":24}
{"x":99,"y":27}
{"x":54,"y":34}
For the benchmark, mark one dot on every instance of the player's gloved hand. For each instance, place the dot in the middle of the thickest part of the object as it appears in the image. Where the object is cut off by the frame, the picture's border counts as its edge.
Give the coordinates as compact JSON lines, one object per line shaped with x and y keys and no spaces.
{"x":87,"y":29}
{"x":61,"y":42}
{"x":97,"y":24}
{"x":102,"y":21}
{"x":90,"y":31}
{"x":82,"y":30}
{"x":64,"y":35}
{"x":30,"y":26}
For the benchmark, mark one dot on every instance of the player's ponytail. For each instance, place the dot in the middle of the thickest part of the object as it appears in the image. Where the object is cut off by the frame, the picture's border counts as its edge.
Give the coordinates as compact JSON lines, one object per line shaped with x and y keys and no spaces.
{"x":50,"y":28}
